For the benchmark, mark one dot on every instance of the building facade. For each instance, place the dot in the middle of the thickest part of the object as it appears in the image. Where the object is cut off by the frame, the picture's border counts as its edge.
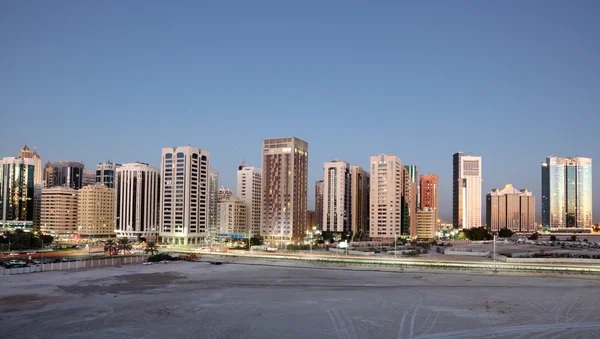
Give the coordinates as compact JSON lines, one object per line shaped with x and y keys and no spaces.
{"x":319,"y":192}
{"x":213,"y":213}
{"x":224,"y":193}
{"x":426,"y":223}
{"x":89,"y":178}
{"x":59,"y":212}
{"x":17,"y":193}
{"x":510,"y":208}
{"x":466,"y":191}
{"x":409,"y":201}
{"x":567,"y":193}
{"x":248,"y":191}
{"x":337,"y":200}
{"x":185,"y":195}
{"x":360,"y":203}
{"x":67,"y":174}
{"x":284,"y":189}
{"x":26,"y":153}
{"x":96,"y":212}
{"x":137,"y":212}
{"x":232,"y":216}
{"x":387,"y":187}
{"x":105,"y":173}
{"x":48,"y":180}
{"x":429,"y":185}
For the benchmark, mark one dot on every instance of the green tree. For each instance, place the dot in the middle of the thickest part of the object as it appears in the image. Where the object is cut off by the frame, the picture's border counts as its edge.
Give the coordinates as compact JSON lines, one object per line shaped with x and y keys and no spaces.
{"x":256,"y":241}
{"x":461,"y":236}
{"x":534,"y":236}
{"x":151,"y":248}
{"x":552,"y":237}
{"x":505,"y":233}
{"x":110,"y":247}
{"x":477,"y":233}
{"x":124,"y":246}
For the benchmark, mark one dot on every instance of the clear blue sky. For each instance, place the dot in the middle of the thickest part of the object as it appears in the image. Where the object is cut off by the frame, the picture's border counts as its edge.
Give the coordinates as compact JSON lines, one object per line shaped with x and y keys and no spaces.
{"x":512,"y":81}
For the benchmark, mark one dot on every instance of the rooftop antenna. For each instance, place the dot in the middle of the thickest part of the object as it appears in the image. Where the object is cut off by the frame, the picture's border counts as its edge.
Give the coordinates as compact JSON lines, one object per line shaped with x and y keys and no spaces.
{"x":242,"y":159}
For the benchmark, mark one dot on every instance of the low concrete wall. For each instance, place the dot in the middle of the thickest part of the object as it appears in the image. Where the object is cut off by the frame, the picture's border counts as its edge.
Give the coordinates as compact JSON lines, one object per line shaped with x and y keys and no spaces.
{"x":351,"y":252}
{"x":549,"y":260}
{"x":450,"y":251}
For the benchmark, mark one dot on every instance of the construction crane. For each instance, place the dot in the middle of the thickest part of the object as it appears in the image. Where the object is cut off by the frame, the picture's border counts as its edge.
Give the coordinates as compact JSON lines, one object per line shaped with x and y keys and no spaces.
{"x":242,"y":159}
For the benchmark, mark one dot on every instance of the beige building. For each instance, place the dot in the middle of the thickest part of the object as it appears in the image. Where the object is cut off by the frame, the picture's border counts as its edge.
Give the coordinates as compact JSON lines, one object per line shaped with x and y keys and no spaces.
{"x":248,"y":190}
{"x":510,"y":208}
{"x":387,"y":186}
{"x":360,"y":202}
{"x":426,"y":223}
{"x":96,"y":212}
{"x":337,"y":202}
{"x":59,"y":212}
{"x":284,"y":189}
{"x":232,"y":216}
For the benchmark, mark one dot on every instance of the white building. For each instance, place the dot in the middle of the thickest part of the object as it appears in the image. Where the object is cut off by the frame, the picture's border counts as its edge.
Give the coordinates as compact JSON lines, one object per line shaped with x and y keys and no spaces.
{"x":232,"y":216}
{"x":224,"y":193}
{"x":213,"y":185}
{"x":184,"y":195}
{"x":105,"y":173}
{"x":387,"y":186}
{"x":337,"y":202}
{"x":248,"y":191}
{"x":137,"y":213}
{"x":466,"y":191}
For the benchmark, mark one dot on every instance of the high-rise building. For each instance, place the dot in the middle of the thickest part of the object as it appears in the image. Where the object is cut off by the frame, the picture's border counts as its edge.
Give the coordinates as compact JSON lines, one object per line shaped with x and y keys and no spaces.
{"x":17,"y":193}
{"x":426,"y":223}
{"x":224,"y":193}
{"x":387,"y":187}
{"x":185,"y":195}
{"x":413,"y":176}
{"x":89,"y":178}
{"x":96,"y":212}
{"x":360,"y":202}
{"x":59,"y":212}
{"x":248,"y":191}
{"x":67,"y":174}
{"x":137,"y":213}
{"x":105,"y":173}
{"x":337,"y":201}
{"x":319,"y":191}
{"x":510,"y":208}
{"x":430,"y":193}
{"x":284,"y":188}
{"x":213,"y":213}
{"x":567,"y":193}
{"x":48,"y":180}
{"x":26,"y":153}
{"x":466,"y":191}
{"x":232,"y":216}
{"x":311,"y":220}
{"x":409,"y":201}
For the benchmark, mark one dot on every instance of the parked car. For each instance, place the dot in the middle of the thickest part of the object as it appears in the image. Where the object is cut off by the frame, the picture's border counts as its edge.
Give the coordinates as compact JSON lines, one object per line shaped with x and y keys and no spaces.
{"x":147,"y":263}
{"x":164,"y":261}
{"x":31,"y":252}
{"x":64,"y":260}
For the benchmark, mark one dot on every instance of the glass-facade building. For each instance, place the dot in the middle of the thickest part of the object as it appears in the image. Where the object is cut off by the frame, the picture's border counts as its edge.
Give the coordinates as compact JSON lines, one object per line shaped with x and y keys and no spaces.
{"x":67,"y":174}
{"x":105,"y":173}
{"x":17,"y":193}
{"x":566,"y":193}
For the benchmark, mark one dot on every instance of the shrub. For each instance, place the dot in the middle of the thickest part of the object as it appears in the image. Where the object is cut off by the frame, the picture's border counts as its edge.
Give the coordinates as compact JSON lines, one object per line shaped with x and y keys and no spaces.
{"x":535,"y":236}
{"x":552,"y":238}
{"x":161,"y":256}
{"x":411,"y":254}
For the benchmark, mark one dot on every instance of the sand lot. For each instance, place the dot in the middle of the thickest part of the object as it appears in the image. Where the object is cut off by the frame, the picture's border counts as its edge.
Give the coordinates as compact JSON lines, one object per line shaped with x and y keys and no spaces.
{"x":277,"y":300}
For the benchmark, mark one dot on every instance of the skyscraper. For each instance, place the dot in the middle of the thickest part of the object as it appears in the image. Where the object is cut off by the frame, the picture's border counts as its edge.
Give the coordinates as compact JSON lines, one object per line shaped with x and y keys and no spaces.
{"x":409,"y":201}
{"x":59,"y":212}
{"x":184,"y":195}
{"x":337,"y":202}
{"x":567,"y":192}
{"x":96,"y":212}
{"x":466,"y":191}
{"x":284,"y":188}
{"x":248,"y":191}
{"x":387,"y":187}
{"x":213,"y":214}
{"x":17,"y":193}
{"x":360,"y":202}
{"x":67,"y":174}
{"x":38,"y":172}
{"x":105,"y":173}
{"x":137,"y":187}
{"x":48,"y":180}
{"x":89,"y":178}
{"x":319,"y":191}
{"x":224,"y":193}
{"x":430,"y":193}
{"x":510,"y":208}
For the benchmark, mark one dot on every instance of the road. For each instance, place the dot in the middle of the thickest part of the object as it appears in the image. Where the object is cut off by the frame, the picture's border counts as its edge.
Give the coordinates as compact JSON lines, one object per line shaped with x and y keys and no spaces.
{"x":74,"y":254}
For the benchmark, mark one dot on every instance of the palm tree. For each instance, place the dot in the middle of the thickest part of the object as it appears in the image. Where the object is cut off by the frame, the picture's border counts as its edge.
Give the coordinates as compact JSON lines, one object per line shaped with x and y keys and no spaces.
{"x":124,"y":245}
{"x":151,"y":248}
{"x":110,"y":247}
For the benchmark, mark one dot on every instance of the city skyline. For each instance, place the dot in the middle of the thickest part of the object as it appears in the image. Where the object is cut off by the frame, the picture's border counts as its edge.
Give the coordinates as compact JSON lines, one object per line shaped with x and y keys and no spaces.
{"x":344,"y":84}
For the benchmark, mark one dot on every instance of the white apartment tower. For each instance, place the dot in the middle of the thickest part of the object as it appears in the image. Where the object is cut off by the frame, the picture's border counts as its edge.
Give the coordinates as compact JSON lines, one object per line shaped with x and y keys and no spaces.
{"x":284,"y":188}
{"x":248,"y":191}
{"x":232,"y":216}
{"x":185,"y":195}
{"x":466,"y":199}
{"x":337,"y":202}
{"x":387,"y":186}
{"x":138,"y":201}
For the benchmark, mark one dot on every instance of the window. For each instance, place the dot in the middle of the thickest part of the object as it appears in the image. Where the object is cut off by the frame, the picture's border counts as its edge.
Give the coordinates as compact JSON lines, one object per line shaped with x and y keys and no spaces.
{"x":180,"y":155}
{"x":168,"y":155}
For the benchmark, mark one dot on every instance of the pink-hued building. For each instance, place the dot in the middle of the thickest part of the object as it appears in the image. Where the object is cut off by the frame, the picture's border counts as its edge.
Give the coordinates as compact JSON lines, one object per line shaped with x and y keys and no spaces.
{"x":510,"y":208}
{"x":430,"y":193}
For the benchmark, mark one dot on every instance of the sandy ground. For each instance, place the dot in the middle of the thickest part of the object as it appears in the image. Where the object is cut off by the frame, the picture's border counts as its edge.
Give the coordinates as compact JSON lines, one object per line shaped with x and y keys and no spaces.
{"x":253,"y":299}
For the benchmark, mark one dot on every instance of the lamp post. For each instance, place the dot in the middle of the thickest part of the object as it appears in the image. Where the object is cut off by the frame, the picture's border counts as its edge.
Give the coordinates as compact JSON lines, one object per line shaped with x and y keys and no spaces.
{"x":495,"y":268}
{"x":395,"y":245}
